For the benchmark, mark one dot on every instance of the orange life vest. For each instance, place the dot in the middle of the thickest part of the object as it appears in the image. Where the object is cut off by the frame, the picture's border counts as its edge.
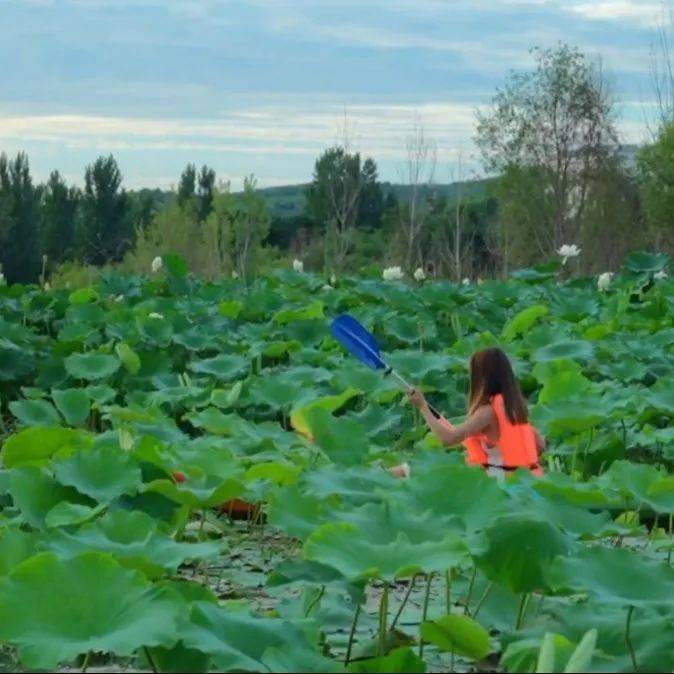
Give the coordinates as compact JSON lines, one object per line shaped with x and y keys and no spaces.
{"x":517,"y":443}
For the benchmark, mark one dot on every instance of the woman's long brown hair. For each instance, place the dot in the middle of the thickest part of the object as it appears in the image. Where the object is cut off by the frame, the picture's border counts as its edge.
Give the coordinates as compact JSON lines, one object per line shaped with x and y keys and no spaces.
{"x":490,"y":374}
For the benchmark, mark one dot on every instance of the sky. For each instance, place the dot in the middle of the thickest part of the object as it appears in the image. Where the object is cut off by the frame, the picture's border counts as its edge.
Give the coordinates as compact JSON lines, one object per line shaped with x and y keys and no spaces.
{"x":263,"y":86}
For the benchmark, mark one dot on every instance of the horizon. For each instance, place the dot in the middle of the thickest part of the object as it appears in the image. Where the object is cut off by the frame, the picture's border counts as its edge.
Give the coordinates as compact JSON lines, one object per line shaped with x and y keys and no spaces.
{"x":163,"y":84}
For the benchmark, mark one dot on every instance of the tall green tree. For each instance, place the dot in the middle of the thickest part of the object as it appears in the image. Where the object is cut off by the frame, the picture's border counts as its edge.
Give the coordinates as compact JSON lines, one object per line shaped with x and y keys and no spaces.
{"x":344,"y":193}
{"x":106,"y":227}
{"x":205,"y":192}
{"x":656,"y":176}
{"x":19,"y":221}
{"x":59,"y":206}
{"x":550,"y":132}
{"x":188,"y":185}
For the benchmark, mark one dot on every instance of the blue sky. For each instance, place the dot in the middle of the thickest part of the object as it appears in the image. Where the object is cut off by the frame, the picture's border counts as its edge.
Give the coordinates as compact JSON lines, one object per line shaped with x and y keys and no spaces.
{"x":263,"y":86}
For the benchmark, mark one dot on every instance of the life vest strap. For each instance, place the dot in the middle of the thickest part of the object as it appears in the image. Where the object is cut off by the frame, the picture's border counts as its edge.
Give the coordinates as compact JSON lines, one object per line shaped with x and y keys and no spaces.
{"x":533,"y":466}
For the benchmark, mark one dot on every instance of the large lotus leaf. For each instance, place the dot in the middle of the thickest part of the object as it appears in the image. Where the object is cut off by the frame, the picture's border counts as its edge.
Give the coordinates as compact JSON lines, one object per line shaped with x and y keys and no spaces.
{"x":275,"y":392}
{"x":214,"y":421}
{"x":575,"y":307}
{"x":639,"y":483}
{"x":458,"y":634}
{"x":35,"y":493}
{"x":276,"y":472}
{"x":403,"y":660}
{"x":54,"y":609}
{"x":651,"y":634}
{"x":35,"y":412}
{"x":134,"y":539}
{"x":572,"y":349}
{"x":417,"y":365}
{"x":155,"y":329}
{"x":310,"y":312}
{"x":661,"y":396}
{"x":647,"y":262}
{"x":343,"y":440}
{"x":204,"y":491}
{"x":352,"y":484}
{"x":575,"y":415}
{"x":37,"y":445}
{"x":329,"y":403}
{"x":15,"y":546}
{"x":225,"y":367}
{"x":411,"y":330}
{"x":346,"y":548}
{"x":616,"y":576}
{"x":384,"y":521}
{"x":91,"y":366}
{"x":522,"y":321}
{"x":277,"y":659}
{"x":104,"y":473}
{"x":452,"y":490}
{"x":519,"y":552}
{"x":238,"y":642}
{"x":130,"y":359}
{"x":74,"y":404}
{"x":559,"y":486}
{"x":564,"y":385}
{"x":66,"y":514}
{"x":296,"y":512}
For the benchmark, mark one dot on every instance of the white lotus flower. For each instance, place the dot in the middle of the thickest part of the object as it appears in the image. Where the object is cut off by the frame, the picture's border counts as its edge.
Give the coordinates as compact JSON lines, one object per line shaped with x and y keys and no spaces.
{"x":419,"y":275}
{"x":155,"y":315}
{"x":466,"y":281}
{"x":567,"y":251}
{"x":298,"y":266}
{"x":235,"y":275}
{"x":333,"y":280}
{"x":661,"y":275}
{"x":392,"y":274}
{"x":47,"y":286}
{"x":405,"y":470}
{"x":3,"y":280}
{"x":119,"y":298}
{"x":604,"y":281}
{"x":157,"y":264}
{"x":480,"y":281}
{"x":327,"y":287}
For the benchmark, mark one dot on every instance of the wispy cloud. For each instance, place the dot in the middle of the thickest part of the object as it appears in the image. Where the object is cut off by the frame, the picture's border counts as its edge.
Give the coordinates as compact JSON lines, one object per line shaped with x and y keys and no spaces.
{"x":644,"y":13}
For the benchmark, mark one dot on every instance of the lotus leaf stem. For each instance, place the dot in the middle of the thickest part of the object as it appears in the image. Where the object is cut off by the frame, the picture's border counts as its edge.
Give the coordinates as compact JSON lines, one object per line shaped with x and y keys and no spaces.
{"x":314,"y":601}
{"x":383,"y":616}
{"x":424,"y":613}
{"x":669,"y":552}
{"x":352,"y":634}
{"x":150,"y":660}
{"x":469,"y":594}
{"x":85,"y":664}
{"x":628,"y":641}
{"x":484,"y":596}
{"x":410,"y":587}
{"x":522,"y":610}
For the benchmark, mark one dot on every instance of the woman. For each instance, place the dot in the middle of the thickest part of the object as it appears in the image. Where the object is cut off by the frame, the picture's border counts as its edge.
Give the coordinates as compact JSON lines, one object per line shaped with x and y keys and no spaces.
{"x":497,"y":433}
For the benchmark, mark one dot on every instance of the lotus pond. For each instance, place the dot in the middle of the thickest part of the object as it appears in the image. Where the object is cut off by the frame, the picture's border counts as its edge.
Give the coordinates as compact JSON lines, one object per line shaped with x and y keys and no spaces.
{"x":193,"y":478}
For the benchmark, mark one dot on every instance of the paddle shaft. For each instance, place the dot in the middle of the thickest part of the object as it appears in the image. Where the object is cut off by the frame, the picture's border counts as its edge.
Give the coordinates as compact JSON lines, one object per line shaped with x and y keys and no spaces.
{"x":408,"y":387}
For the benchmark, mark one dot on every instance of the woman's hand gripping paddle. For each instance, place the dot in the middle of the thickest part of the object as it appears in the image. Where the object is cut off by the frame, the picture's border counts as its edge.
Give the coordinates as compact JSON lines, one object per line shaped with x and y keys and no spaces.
{"x":361,"y":343}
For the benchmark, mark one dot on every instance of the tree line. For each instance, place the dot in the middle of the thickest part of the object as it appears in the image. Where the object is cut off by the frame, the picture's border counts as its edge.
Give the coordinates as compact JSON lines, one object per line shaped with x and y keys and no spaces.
{"x":549,"y":139}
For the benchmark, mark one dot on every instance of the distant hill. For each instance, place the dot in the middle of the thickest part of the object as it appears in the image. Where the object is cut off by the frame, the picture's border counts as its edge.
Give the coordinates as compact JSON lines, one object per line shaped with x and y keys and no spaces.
{"x":290,"y":200}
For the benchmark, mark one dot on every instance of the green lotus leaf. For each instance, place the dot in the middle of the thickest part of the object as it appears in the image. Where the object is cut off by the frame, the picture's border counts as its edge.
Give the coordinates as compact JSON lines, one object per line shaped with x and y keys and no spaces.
{"x":155,"y":329}
{"x":15,"y":546}
{"x":66,"y":514}
{"x":225,"y":367}
{"x":458,"y":634}
{"x":451,"y":490}
{"x":129,"y":357}
{"x":296,"y":512}
{"x":35,"y":493}
{"x":35,"y":412}
{"x":523,"y":321}
{"x":519,"y":552}
{"x":274,"y":471}
{"x":571,"y":415}
{"x":205,"y":491}
{"x":572,"y":349}
{"x":83,"y":296}
{"x":311,"y":312}
{"x":230,"y":308}
{"x":35,"y":446}
{"x":298,"y":417}
{"x":102,"y":473}
{"x":346,"y":548}
{"x":275,"y":392}
{"x":135,"y":540}
{"x":615,"y":576}
{"x":238,"y":641}
{"x":74,"y":404}
{"x":91,"y":366}
{"x":647,"y":262}
{"x":278,"y":659}
{"x":53,"y":610}
{"x":343,"y":440}
{"x":225,"y":399}
{"x":403,"y":660}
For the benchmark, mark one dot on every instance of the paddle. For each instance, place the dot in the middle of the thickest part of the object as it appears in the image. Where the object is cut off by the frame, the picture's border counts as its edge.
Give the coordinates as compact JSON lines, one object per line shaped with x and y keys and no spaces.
{"x":358,"y":341}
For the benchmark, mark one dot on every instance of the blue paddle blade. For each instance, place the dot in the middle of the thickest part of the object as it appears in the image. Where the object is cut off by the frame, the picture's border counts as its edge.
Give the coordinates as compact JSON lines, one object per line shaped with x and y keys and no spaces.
{"x":357,"y":340}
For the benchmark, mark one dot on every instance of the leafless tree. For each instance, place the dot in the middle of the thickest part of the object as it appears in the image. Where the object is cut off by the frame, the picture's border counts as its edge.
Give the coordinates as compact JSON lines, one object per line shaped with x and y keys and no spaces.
{"x":662,"y":69}
{"x":418,"y":174}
